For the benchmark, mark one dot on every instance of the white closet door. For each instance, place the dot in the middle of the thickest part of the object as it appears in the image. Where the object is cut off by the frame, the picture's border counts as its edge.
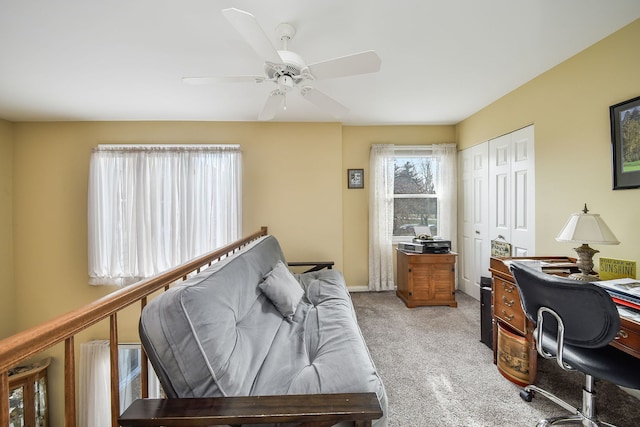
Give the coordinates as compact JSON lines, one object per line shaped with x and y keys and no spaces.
{"x":474,"y":256}
{"x":512,"y":190}
{"x":496,"y":198}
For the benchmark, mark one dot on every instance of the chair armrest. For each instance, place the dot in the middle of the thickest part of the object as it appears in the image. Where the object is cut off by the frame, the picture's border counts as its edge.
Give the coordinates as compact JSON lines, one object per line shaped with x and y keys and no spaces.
{"x":309,"y":409}
{"x":316,"y":265}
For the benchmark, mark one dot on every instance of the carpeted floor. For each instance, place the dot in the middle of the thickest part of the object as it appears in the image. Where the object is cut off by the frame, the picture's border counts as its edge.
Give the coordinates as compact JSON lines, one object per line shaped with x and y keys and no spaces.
{"x":437,"y":372}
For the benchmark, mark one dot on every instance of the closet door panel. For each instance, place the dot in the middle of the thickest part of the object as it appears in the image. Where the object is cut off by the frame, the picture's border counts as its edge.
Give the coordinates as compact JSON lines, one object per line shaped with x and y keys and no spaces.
{"x":500,"y":199}
{"x":474,"y":256}
{"x":523,"y":178}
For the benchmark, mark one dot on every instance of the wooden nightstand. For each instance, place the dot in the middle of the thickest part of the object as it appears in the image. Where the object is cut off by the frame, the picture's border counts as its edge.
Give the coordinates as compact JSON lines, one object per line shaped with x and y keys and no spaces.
{"x":426,"y":279}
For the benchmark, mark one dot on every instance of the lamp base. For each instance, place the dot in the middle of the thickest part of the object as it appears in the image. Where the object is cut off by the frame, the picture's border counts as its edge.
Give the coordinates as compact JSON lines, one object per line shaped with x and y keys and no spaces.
{"x":584,"y":277}
{"x":585,"y":264}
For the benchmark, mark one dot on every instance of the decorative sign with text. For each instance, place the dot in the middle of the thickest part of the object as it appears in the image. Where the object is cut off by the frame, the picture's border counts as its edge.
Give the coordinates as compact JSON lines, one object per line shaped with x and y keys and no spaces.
{"x":500,"y":248}
{"x":611,"y":268}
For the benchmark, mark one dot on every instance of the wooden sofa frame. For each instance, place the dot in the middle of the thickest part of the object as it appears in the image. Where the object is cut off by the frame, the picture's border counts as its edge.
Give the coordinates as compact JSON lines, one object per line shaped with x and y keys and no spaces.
{"x":309,"y":410}
{"x":306,"y":410}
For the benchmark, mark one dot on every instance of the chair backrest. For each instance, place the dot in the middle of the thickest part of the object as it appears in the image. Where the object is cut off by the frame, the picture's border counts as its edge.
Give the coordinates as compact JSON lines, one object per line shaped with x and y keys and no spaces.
{"x":589,"y":314}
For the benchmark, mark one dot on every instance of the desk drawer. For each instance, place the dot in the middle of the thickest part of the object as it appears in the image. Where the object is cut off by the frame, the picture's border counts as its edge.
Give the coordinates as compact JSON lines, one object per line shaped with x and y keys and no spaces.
{"x":513,"y":357}
{"x":627,"y":341}
{"x":507,"y":306}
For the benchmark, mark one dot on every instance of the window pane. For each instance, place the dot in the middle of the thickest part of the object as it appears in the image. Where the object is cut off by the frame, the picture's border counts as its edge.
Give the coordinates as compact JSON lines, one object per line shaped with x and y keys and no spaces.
{"x":409,"y":213}
{"x":414,"y":175}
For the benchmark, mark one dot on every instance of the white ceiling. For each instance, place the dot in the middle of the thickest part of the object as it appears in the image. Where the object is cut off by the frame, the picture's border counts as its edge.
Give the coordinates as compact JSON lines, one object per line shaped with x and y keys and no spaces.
{"x":442,"y":60}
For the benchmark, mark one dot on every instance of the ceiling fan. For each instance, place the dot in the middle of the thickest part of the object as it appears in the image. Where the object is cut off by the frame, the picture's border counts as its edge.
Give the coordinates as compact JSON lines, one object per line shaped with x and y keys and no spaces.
{"x":287,"y":70}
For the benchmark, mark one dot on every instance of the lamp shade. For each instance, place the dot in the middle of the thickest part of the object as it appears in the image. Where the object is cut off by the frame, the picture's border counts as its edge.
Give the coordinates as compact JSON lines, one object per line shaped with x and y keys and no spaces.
{"x":587,"y":228}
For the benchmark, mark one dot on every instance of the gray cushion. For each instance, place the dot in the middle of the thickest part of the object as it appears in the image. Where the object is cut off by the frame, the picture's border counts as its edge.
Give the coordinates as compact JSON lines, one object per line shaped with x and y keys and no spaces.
{"x":282,"y":289}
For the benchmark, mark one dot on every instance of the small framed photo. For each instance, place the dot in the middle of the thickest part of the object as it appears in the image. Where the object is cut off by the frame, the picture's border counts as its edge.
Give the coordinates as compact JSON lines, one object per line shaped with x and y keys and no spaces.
{"x":355,"y":178}
{"x":625,"y":137}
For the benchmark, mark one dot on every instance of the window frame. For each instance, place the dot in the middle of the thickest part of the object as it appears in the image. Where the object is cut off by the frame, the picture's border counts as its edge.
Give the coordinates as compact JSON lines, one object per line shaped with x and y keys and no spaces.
{"x":411,"y":153}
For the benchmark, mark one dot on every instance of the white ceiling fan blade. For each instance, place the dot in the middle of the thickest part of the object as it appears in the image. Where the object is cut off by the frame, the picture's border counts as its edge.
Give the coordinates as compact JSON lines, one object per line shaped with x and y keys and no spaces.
{"x":324,"y":102}
{"x":358,"y":63}
{"x":222,"y":79}
{"x":272,"y":106}
{"x":246,"y":24}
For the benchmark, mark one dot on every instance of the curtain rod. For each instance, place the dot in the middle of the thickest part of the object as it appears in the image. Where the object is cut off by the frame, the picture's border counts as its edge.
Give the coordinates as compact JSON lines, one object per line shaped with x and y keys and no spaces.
{"x":422,"y":147}
{"x":165,"y":147}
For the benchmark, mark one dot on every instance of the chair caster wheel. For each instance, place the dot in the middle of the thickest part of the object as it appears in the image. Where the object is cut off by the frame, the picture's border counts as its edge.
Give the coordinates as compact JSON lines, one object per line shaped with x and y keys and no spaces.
{"x":525,"y":395}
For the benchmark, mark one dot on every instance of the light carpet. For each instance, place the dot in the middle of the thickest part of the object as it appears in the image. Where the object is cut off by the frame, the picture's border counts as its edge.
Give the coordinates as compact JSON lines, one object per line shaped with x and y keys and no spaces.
{"x":437,"y":372}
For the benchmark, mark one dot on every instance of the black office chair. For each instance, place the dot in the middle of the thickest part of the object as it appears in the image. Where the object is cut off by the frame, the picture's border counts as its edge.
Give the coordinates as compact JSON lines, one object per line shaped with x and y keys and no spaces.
{"x":575,"y":321}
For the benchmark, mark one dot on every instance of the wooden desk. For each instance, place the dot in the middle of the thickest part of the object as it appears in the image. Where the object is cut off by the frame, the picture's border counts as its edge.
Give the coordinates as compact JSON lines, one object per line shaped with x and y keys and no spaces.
{"x":510,"y":322}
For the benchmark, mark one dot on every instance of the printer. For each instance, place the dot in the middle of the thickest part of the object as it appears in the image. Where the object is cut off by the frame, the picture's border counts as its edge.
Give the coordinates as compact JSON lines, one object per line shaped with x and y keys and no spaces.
{"x":426,"y":246}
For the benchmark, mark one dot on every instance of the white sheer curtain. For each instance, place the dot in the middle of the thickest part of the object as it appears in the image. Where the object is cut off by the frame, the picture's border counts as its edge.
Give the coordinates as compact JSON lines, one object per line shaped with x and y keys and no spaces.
{"x":93,"y":389}
{"x":447,"y":190}
{"x":94,"y":408}
{"x":154,"y":207}
{"x":381,"y":218}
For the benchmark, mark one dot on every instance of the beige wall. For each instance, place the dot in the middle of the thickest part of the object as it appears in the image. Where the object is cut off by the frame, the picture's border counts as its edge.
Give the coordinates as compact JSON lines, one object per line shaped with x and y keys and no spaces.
{"x":292,"y":180}
{"x":7,"y":289}
{"x":569,"y":106}
{"x":357,"y":142}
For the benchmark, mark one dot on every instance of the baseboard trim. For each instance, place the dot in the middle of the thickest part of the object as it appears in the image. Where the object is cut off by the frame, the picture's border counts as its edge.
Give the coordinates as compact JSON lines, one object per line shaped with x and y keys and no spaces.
{"x":358,"y":288}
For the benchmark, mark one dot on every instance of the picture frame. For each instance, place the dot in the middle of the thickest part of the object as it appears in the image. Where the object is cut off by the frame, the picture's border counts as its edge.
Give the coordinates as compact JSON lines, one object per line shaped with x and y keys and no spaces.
{"x":355,"y":178}
{"x":625,"y":140}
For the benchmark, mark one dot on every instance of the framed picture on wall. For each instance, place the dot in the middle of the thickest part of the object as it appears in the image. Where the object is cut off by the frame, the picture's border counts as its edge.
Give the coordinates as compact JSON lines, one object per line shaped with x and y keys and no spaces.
{"x":625,"y":138}
{"x":355,"y":178}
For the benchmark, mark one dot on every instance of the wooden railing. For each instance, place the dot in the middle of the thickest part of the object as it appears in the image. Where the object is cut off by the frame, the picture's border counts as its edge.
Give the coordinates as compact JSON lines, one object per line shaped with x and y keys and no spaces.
{"x":29,"y":343}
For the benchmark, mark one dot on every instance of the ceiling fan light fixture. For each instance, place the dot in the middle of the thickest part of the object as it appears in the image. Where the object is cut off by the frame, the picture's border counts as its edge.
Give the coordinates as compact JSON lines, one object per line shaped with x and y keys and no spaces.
{"x":285,"y":83}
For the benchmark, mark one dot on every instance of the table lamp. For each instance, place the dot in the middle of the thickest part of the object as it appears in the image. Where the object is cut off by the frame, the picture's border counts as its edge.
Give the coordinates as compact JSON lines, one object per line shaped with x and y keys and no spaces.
{"x":583,"y":227}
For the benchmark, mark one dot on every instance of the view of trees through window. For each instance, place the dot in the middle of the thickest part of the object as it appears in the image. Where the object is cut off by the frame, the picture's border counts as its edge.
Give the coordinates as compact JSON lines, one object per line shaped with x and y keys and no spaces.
{"x":631,"y":140}
{"x":415,"y":200}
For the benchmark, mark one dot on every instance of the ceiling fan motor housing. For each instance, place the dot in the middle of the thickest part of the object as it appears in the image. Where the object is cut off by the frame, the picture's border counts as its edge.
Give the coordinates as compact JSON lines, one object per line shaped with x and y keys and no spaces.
{"x":292,"y":65}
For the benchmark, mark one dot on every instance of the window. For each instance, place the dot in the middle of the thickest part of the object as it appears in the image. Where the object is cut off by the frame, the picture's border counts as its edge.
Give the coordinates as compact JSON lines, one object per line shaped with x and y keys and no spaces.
{"x":415,"y":201}
{"x":152,"y":208}
{"x":411,"y":187}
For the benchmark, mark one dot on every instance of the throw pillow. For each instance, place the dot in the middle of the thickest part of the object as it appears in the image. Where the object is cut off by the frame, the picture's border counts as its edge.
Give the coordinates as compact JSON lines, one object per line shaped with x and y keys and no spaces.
{"x":282,"y":289}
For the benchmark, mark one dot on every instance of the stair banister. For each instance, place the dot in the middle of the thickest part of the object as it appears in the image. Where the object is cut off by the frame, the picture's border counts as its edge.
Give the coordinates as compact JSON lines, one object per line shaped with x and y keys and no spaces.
{"x":29,"y":343}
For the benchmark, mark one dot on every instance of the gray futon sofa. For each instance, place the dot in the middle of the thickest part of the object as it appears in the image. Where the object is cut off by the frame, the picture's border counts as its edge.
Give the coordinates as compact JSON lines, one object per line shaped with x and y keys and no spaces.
{"x":246,"y":326}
